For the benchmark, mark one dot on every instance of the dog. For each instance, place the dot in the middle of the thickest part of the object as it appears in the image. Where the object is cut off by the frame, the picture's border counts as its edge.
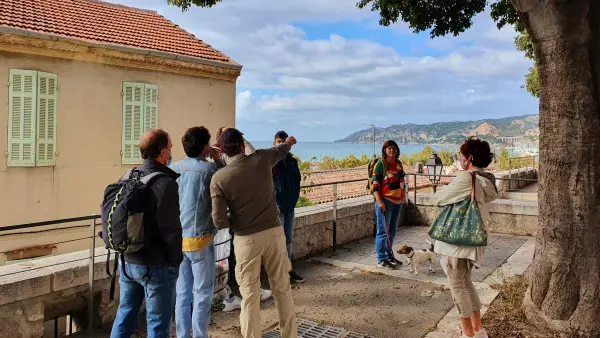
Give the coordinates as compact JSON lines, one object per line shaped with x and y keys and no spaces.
{"x":418,"y":258}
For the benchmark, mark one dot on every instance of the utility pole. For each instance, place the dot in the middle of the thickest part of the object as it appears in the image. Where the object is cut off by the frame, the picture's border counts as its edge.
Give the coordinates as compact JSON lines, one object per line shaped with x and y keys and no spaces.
{"x":372,"y":125}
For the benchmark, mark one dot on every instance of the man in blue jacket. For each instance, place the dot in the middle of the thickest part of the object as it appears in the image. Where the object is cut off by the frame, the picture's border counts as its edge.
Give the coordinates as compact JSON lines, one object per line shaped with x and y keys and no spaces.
{"x":286,"y":178}
{"x":197,"y":271}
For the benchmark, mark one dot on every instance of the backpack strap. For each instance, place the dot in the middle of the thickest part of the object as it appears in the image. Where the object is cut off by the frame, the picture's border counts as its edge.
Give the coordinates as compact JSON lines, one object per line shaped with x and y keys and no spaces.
{"x":150,"y":177}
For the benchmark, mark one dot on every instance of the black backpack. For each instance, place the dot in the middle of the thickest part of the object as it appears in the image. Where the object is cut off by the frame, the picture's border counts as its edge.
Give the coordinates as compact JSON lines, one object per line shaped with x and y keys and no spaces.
{"x":123,"y":210}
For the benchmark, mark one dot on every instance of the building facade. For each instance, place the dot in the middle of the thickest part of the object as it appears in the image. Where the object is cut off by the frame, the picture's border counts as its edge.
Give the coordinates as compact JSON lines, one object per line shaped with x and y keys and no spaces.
{"x":81,"y":90}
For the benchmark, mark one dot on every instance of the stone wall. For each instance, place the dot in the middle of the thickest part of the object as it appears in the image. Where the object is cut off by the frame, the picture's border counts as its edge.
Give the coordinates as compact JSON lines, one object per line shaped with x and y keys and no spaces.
{"x":507,"y":216}
{"x":38,"y":291}
{"x":504,"y":185}
{"x":314,"y":225}
{"x":32,"y":293}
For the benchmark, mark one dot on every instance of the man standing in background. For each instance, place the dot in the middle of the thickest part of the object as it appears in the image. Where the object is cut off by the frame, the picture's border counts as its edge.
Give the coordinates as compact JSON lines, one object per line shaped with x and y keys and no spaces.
{"x":287,"y":178}
{"x":243,"y":199}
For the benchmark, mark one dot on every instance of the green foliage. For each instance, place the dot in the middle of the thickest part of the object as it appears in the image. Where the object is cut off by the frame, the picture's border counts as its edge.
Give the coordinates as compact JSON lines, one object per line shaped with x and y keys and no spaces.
{"x":330,"y":163}
{"x":186,"y":4}
{"x":504,"y":159}
{"x":424,"y":155}
{"x":532,"y":81}
{"x":304,"y":167}
{"x":304,"y":202}
{"x":442,"y":17}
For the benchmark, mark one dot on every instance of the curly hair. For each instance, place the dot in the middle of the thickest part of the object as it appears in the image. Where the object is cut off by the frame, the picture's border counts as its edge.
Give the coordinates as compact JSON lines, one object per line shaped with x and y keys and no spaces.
{"x":479,"y":150}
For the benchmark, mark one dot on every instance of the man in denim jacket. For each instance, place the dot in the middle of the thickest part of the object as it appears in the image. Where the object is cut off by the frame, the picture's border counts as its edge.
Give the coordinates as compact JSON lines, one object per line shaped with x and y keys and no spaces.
{"x":198,"y":269}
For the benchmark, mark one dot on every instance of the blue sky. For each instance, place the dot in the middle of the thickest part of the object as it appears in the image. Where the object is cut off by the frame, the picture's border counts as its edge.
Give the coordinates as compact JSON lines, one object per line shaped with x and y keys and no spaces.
{"x":323,"y":69}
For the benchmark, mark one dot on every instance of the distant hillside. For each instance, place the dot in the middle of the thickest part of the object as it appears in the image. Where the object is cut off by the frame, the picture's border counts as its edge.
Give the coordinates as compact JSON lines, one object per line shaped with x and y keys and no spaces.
{"x":526,"y":126}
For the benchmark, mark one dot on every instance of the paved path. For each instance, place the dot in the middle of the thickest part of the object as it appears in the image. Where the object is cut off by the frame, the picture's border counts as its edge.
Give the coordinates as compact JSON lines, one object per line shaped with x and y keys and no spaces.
{"x":349,"y":292}
{"x":506,"y":256}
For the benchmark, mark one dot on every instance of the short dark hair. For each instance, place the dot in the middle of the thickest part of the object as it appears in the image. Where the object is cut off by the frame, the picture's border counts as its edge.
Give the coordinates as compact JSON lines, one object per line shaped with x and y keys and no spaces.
{"x":231,"y":141}
{"x":220,"y":131}
{"x":195,"y":140}
{"x":282,"y":135}
{"x":153,"y":142}
{"x":479,"y":149}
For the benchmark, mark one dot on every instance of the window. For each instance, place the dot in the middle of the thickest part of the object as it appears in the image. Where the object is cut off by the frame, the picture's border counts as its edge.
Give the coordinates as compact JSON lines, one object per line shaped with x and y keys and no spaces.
{"x":140,"y":113}
{"x":32,"y":113}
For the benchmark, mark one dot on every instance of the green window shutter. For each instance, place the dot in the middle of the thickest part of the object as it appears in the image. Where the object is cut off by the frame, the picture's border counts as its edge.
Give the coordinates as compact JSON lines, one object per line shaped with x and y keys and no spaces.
{"x":46,"y":119}
{"x":22,"y":92}
{"x":150,"y":107}
{"x":132,"y":122}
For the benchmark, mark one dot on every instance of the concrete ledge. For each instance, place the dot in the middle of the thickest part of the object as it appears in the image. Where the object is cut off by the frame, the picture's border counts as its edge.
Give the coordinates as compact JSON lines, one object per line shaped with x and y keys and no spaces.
{"x":35,"y":278}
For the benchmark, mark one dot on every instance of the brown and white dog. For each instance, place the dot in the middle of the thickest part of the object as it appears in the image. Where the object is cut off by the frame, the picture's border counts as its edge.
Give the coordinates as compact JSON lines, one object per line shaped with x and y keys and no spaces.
{"x":418,"y":258}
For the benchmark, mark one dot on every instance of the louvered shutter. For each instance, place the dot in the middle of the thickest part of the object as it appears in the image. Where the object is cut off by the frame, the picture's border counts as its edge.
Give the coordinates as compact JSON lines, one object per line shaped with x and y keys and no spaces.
{"x":150,"y":107}
{"x":132,"y":122}
{"x":22,"y":118}
{"x":46,"y":119}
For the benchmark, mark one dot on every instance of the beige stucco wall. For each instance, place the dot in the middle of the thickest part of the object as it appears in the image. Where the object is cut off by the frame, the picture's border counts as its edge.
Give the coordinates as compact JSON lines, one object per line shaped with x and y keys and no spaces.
{"x":89,"y":132}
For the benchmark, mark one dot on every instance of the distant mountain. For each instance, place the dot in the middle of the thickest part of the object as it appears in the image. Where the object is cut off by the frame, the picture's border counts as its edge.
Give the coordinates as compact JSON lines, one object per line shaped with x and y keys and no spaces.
{"x":525,"y":127}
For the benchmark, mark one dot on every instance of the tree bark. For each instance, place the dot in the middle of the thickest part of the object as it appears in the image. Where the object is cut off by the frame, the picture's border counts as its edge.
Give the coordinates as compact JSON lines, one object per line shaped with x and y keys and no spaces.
{"x":564,"y":291}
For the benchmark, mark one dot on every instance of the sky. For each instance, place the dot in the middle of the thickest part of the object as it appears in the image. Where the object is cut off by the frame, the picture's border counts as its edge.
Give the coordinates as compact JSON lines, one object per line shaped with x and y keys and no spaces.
{"x":321,"y":70}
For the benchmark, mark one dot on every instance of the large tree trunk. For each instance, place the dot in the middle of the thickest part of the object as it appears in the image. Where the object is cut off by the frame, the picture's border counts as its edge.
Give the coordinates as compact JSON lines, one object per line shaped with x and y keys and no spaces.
{"x":564,"y":294}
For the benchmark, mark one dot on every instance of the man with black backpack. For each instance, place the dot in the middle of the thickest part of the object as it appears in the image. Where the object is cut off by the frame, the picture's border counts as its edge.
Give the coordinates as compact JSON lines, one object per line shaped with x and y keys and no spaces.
{"x":152,"y":255}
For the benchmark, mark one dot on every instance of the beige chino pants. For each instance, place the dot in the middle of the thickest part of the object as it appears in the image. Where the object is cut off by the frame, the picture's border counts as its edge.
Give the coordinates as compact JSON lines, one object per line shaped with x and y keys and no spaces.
{"x":461,"y":286}
{"x":267,"y":248}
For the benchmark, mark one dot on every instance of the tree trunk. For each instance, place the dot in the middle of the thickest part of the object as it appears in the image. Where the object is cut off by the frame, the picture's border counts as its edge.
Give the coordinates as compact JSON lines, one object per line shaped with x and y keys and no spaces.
{"x":564,"y":293}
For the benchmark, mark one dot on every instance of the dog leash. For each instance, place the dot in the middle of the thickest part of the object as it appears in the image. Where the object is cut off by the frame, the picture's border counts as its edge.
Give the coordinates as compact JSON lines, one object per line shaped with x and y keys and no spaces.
{"x":387,"y":234}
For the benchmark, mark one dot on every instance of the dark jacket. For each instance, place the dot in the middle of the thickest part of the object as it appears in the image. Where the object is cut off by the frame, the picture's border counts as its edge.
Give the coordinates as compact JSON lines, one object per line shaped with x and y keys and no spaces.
{"x":287,"y":178}
{"x":162,"y":226}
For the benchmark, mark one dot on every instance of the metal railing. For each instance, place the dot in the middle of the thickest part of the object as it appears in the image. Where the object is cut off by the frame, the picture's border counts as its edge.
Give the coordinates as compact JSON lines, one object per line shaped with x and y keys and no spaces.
{"x":93,"y":223}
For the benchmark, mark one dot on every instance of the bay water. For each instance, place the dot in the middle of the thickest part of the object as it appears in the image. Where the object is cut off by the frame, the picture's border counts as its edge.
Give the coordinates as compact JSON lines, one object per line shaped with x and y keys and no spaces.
{"x":306,"y":151}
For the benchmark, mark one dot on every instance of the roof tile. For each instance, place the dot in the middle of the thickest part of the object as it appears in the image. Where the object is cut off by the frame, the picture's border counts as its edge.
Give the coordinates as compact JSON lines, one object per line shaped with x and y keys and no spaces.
{"x":106,"y":23}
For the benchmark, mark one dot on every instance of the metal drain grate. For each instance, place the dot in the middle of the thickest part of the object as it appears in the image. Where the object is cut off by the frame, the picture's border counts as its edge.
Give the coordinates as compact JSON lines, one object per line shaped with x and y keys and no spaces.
{"x":309,"y":329}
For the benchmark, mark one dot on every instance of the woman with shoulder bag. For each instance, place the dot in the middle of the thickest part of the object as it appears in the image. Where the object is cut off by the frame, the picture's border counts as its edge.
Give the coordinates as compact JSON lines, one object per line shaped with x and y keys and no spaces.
{"x":388,"y":187}
{"x":460,"y":233}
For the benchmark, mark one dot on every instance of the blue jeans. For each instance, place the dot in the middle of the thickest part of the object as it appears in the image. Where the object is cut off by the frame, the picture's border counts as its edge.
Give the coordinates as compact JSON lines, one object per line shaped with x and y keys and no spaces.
{"x":287,"y":221}
{"x":394,"y":213}
{"x":157,"y":286}
{"x":197,"y":275}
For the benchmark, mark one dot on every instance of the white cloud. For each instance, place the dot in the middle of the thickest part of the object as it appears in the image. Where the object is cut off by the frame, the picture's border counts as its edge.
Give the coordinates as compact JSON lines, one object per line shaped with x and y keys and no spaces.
{"x":291,"y":81}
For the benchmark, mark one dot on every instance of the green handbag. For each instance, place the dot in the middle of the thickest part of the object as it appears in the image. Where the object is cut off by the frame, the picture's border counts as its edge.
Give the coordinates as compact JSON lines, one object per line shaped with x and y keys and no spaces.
{"x":460,"y":223}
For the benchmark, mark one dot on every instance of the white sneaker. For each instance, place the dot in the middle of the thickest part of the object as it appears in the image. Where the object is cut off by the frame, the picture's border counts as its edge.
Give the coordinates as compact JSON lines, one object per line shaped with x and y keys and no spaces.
{"x":232,"y":303}
{"x":481,"y":334}
{"x":265,"y":294}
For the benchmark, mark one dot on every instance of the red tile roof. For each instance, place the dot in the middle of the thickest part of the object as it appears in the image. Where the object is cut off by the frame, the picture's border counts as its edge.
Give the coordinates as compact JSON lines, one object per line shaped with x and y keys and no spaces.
{"x":101,"y":22}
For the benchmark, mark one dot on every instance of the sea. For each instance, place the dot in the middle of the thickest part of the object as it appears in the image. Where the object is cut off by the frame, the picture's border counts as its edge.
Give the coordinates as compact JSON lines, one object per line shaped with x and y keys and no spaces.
{"x":306,"y":151}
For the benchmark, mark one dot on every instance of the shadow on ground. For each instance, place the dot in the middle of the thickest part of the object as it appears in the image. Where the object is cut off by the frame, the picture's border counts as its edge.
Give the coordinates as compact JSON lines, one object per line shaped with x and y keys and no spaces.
{"x":373,"y":304}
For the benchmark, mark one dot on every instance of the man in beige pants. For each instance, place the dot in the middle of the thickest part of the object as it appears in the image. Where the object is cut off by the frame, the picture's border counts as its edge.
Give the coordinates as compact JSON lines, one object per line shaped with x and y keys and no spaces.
{"x":245,"y":187}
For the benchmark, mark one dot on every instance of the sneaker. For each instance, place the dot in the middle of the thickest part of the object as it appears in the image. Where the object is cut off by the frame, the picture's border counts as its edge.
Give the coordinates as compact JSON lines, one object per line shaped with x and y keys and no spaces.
{"x":232,"y":303}
{"x":387,"y":265}
{"x":481,"y":334}
{"x":396,"y":262}
{"x":296,"y":278}
{"x":265,"y":294}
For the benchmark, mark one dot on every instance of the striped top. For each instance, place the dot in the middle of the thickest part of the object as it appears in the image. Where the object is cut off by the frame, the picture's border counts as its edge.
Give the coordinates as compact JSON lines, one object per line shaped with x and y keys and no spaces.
{"x":391,"y":184}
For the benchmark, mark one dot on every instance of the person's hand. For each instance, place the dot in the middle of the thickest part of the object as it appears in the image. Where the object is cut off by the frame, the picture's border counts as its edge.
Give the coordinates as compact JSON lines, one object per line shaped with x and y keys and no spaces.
{"x":214,"y":154}
{"x":381,"y":205}
{"x":291,"y":140}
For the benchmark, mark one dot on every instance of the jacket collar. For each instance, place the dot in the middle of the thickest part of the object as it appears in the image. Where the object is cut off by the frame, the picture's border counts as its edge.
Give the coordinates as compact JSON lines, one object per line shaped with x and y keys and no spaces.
{"x":235,"y":158}
{"x":152,"y":166}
